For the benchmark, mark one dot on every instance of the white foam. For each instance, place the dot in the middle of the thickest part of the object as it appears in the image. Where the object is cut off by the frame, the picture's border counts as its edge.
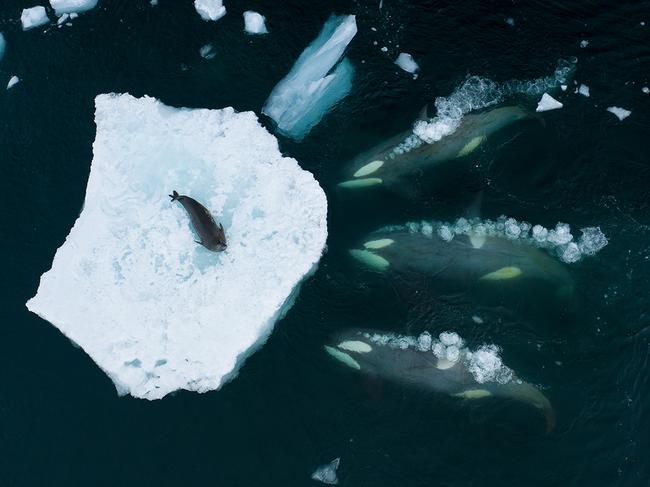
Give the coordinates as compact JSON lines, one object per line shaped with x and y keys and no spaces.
{"x":484,"y":363}
{"x":327,"y":473}
{"x":548,"y":103}
{"x":33,"y":17}
{"x":254,"y":23}
{"x":559,"y":240}
{"x":153,"y":309}
{"x":407,"y":63}
{"x":72,"y":6}
{"x":210,"y":9}
{"x":477,"y":93}
{"x":12,"y":82}
{"x":621,"y":113}
{"x":314,"y":84}
{"x":584,"y":90}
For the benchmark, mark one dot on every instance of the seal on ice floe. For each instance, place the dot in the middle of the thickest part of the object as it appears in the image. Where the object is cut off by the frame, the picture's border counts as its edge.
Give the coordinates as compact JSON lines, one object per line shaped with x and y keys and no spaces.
{"x":212,"y":237}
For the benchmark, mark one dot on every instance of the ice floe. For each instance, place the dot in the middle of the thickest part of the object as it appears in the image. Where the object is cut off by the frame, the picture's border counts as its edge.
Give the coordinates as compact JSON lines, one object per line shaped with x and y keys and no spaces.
{"x":584,"y":43}
{"x":153,"y":309}
{"x":210,"y":9}
{"x":583,"y":90}
{"x":407,"y":63}
{"x":254,"y":23}
{"x":559,"y":240}
{"x":33,"y":17}
{"x":548,"y":103}
{"x":327,"y":473}
{"x":484,"y":363}
{"x":645,"y":90}
{"x":477,"y":93}
{"x":13,"y":81}
{"x":621,"y":113}
{"x":319,"y":79}
{"x":72,"y":6}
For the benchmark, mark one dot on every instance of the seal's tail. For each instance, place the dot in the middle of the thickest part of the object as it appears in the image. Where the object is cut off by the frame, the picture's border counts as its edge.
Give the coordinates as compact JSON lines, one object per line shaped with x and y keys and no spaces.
{"x":174,"y":196}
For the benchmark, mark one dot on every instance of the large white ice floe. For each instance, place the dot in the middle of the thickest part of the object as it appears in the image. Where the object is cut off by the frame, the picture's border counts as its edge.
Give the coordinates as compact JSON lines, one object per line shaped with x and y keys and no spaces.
{"x":620,"y":113}
{"x":559,"y":240}
{"x":210,"y":9}
{"x":33,"y":17}
{"x":319,"y":79}
{"x":254,"y":23}
{"x":153,"y":309}
{"x":72,"y":6}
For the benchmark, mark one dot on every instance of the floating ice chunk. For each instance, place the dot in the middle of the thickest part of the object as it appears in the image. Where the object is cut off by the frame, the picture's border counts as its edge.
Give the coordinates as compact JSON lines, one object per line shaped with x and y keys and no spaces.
{"x":153,"y":309}
{"x":645,"y":90}
{"x":584,"y":90}
{"x":207,"y":52}
{"x":327,"y":473}
{"x":563,"y":87}
{"x":477,"y":319}
{"x":63,"y":19}
{"x":384,"y":49}
{"x":3,"y":45}
{"x":254,"y":23}
{"x":621,"y":113}
{"x":406,"y":62}
{"x":300,"y":99}
{"x":72,"y":6}
{"x":548,"y":103}
{"x":584,"y":43}
{"x":154,"y":3}
{"x":592,"y":240}
{"x":510,"y":21}
{"x":34,"y":17}
{"x":12,"y":82}
{"x":210,"y":9}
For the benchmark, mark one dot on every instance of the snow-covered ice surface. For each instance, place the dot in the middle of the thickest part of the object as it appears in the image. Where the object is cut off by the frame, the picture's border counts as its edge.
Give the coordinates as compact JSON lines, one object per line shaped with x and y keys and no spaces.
{"x":407,"y":63}
{"x":153,"y":309}
{"x":33,"y":17}
{"x":559,"y":240}
{"x":327,"y":473}
{"x":621,"y":113}
{"x":12,"y":82}
{"x":477,"y":93}
{"x":254,"y":23}
{"x":484,"y":363}
{"x":548,"y":103}
{"x":210,"y":9}
{"x":301,"y":99}
{"x":72,"y":6}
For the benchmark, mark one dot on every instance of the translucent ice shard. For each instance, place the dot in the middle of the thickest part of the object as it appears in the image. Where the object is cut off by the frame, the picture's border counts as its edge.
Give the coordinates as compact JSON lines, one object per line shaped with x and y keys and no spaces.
{"x":327,"y":473}
{"x":153,"y":309}
{"x":254,"y":23}
{"x":210,"y":9}
{"x":33,"y":17}
{"x":72,"y":6}
{"x":317,"y":81}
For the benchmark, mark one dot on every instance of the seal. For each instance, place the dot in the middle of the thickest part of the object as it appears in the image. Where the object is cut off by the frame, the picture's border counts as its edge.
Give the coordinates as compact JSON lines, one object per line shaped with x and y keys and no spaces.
{"x":212,"y":236}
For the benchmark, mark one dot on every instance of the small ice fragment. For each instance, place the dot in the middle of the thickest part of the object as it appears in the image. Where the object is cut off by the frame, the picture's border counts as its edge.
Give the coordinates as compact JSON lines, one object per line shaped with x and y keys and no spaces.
{"x":591,"y":240}
{"x":319,"y":79}
{"x":72,"y":6}
{"x":207,"y":52}
{"x":584,"y":90}
{"x":540,"y":233}
{"x":33,"y":17}
{"x":254,"y":23}
{"x":74,"y":15}
{"x":384,"y":49}
{"x":477,"y":319}
{"x":548,"y":103}
{"x":373,"y":29}
{"x":62,"y":19}
{"x":621,"y":113}
{"x":210,"y":9}
{"x":645,"y":89}
{"x":584,"y":43}
{"x":510,"y":21}
{"x":563,"y":87}
{"x":406,"y":62}
{"x":154,"y":3}
{"x":12,"y":82}
{"x":327,"y":473}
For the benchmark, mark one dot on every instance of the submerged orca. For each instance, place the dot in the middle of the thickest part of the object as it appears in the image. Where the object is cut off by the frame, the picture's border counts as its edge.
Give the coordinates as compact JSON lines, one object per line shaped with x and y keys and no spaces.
{"x":212,"y":237}
{"x":405,"y":361}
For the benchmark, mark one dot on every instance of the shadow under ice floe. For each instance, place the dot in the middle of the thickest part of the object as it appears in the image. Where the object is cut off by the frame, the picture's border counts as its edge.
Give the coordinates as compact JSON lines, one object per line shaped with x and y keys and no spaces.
{"x":153,"y":309}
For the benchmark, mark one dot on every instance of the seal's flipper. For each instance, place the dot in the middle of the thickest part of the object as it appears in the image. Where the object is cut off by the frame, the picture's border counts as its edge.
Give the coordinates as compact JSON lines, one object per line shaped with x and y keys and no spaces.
{"x":174,"y":196}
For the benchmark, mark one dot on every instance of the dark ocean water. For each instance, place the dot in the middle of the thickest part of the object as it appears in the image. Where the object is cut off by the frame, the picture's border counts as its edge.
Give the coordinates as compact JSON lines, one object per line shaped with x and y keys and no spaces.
{"x":291,"y":408}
